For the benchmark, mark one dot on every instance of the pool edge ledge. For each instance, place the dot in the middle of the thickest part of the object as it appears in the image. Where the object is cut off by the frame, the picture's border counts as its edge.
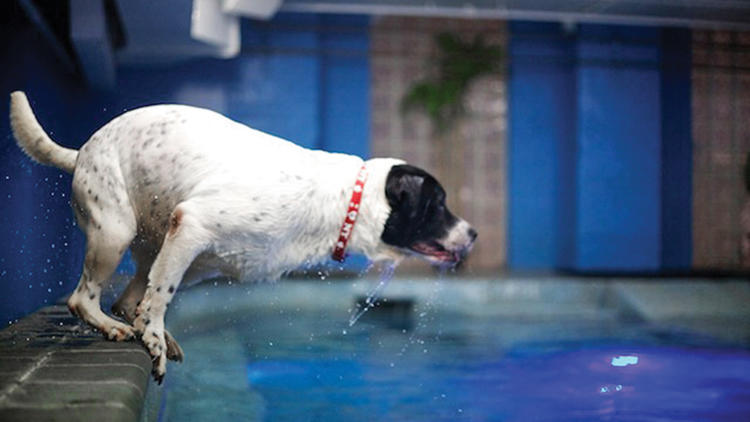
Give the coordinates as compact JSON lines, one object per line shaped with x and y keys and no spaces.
{"x":54,"y":367}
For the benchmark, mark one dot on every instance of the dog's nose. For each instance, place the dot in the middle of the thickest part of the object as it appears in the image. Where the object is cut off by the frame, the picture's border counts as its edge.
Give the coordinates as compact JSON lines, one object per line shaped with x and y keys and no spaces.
{"x":473,"y":234}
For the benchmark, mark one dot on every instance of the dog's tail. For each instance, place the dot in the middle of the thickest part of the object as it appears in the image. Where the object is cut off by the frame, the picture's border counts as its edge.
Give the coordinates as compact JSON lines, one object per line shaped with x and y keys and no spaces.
{"x":32,"y":139}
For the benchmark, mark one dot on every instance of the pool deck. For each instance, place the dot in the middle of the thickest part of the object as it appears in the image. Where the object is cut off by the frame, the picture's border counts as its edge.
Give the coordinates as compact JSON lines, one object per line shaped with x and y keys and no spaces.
{"x":54,"y":367}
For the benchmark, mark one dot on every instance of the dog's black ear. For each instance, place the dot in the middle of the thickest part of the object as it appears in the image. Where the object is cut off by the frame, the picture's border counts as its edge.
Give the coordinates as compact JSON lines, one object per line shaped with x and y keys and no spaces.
{"x":412,"y":194}
{"x":403,"y":187}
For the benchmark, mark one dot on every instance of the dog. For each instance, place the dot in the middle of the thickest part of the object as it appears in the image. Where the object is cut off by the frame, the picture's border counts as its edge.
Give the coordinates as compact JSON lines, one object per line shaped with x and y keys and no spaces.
{"x":194,"y":194}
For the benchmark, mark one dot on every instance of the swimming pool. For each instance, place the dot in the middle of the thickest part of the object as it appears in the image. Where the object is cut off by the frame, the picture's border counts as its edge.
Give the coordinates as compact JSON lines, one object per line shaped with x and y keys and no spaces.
{"x":454,"y":350}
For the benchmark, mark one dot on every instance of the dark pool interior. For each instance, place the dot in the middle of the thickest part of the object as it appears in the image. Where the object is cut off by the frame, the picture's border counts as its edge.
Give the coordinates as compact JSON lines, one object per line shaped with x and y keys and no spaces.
{"x":417,"y":361}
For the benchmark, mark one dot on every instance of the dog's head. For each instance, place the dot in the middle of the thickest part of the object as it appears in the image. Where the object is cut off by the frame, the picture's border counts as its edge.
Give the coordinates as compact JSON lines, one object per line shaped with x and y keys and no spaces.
{"x":420,"y":222}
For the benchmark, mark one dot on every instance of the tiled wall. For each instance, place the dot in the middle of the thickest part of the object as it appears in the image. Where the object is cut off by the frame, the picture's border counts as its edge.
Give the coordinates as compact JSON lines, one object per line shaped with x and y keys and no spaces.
{"x":401,"y":50}
{"x":721,"y":140}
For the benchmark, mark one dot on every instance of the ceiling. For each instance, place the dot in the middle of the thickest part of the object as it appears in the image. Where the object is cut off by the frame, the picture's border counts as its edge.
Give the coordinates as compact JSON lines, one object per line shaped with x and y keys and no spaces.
{"x":172,"y":30}
{"x":727,"y":14}
{"x":165,"y":30}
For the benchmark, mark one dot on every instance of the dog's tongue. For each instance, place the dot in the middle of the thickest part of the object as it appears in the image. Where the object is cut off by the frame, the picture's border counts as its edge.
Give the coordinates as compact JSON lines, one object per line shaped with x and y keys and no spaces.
{"x":433,"y":249}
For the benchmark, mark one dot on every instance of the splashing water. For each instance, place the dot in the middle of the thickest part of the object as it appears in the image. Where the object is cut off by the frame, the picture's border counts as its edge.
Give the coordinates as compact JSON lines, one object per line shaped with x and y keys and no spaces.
{"x":425,"y":314}
{"x":385,"y":276}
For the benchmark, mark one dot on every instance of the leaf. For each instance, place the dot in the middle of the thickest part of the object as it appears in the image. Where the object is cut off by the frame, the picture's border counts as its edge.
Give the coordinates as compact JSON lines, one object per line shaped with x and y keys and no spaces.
{"x":458,"y":64}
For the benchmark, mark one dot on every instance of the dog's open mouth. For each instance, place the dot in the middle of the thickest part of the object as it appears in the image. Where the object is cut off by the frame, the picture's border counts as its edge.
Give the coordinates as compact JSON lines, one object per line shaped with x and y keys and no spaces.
{"x":437,"y":252}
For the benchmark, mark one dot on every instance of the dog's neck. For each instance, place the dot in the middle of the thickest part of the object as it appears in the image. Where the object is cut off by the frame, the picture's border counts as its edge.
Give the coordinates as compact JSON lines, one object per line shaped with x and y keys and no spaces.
{"x":373,"y":211}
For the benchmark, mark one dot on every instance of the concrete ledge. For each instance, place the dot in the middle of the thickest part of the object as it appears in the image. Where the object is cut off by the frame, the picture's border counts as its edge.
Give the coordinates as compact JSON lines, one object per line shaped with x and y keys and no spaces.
{"x":53,"y":367}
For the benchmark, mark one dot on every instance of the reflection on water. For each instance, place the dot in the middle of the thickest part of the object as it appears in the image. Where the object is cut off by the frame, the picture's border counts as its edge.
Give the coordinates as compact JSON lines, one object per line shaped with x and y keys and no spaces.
{"x":300,"y":366}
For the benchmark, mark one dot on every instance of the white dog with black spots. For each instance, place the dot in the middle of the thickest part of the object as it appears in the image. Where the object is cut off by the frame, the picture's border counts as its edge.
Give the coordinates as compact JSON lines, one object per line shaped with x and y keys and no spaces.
{"x":194,"y":194}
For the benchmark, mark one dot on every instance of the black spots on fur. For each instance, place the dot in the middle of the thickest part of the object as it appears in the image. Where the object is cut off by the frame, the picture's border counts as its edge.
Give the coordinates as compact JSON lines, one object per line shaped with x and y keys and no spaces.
{"x":147,"y":142}
{"x":218,"y":225}
{"x":155,"y":335}
{"x":96,"y":169}
{"x":147,"y":321}
{"x":158,"y":289}
{"x":171,"y":289}
{"x":298,"y":177}
{"x":256,"y":219}
{"x":92,"y":296}
{"x":98,"y":226}
{"x":89,"y":191}
{"x":256,"y":198}
{"x":96,"y":198}
{"x":222,"y":211}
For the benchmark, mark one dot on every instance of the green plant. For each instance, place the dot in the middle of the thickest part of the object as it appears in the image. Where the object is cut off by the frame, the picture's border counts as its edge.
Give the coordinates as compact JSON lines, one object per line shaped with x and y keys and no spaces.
{"x":458,"y":63}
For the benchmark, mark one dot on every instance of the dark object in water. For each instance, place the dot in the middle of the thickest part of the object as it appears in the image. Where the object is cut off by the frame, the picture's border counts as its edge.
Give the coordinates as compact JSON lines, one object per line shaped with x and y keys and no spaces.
{"x":395,"y":313}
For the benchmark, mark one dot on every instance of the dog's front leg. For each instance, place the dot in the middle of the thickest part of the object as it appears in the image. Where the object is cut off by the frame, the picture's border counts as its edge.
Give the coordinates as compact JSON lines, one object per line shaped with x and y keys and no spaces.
{"x":184,"y":241}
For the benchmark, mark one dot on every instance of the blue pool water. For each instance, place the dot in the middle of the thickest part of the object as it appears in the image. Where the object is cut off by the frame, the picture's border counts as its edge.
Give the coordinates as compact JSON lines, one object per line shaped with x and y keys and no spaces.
{"x":282,"y":363}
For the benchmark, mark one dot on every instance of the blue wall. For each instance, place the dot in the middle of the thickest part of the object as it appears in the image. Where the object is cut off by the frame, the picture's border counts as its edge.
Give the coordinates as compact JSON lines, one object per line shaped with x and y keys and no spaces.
{"x":600,"y":148}
{"x":302,"y":77}
{"x":619,"y":153}
{"x":541,"y":147}
{"x":677,"y":150}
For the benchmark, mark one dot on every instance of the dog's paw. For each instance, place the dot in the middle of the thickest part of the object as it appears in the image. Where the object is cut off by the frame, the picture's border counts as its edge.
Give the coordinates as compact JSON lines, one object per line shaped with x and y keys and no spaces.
{"x":119,"y":332}
{"x":141,"y":322}
{"x":154,"y":341}
{"x":174,"y":351}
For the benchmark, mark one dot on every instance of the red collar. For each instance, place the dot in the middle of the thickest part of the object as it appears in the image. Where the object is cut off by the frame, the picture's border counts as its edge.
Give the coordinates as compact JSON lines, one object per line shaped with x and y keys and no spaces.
{"x":351,"y":216}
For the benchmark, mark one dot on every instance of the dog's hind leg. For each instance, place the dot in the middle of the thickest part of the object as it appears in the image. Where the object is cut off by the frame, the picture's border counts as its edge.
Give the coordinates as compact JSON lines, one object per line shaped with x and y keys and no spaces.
{"x":105,"y":246}
{"x":185,"y":240}
{"x":126,"y":304}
